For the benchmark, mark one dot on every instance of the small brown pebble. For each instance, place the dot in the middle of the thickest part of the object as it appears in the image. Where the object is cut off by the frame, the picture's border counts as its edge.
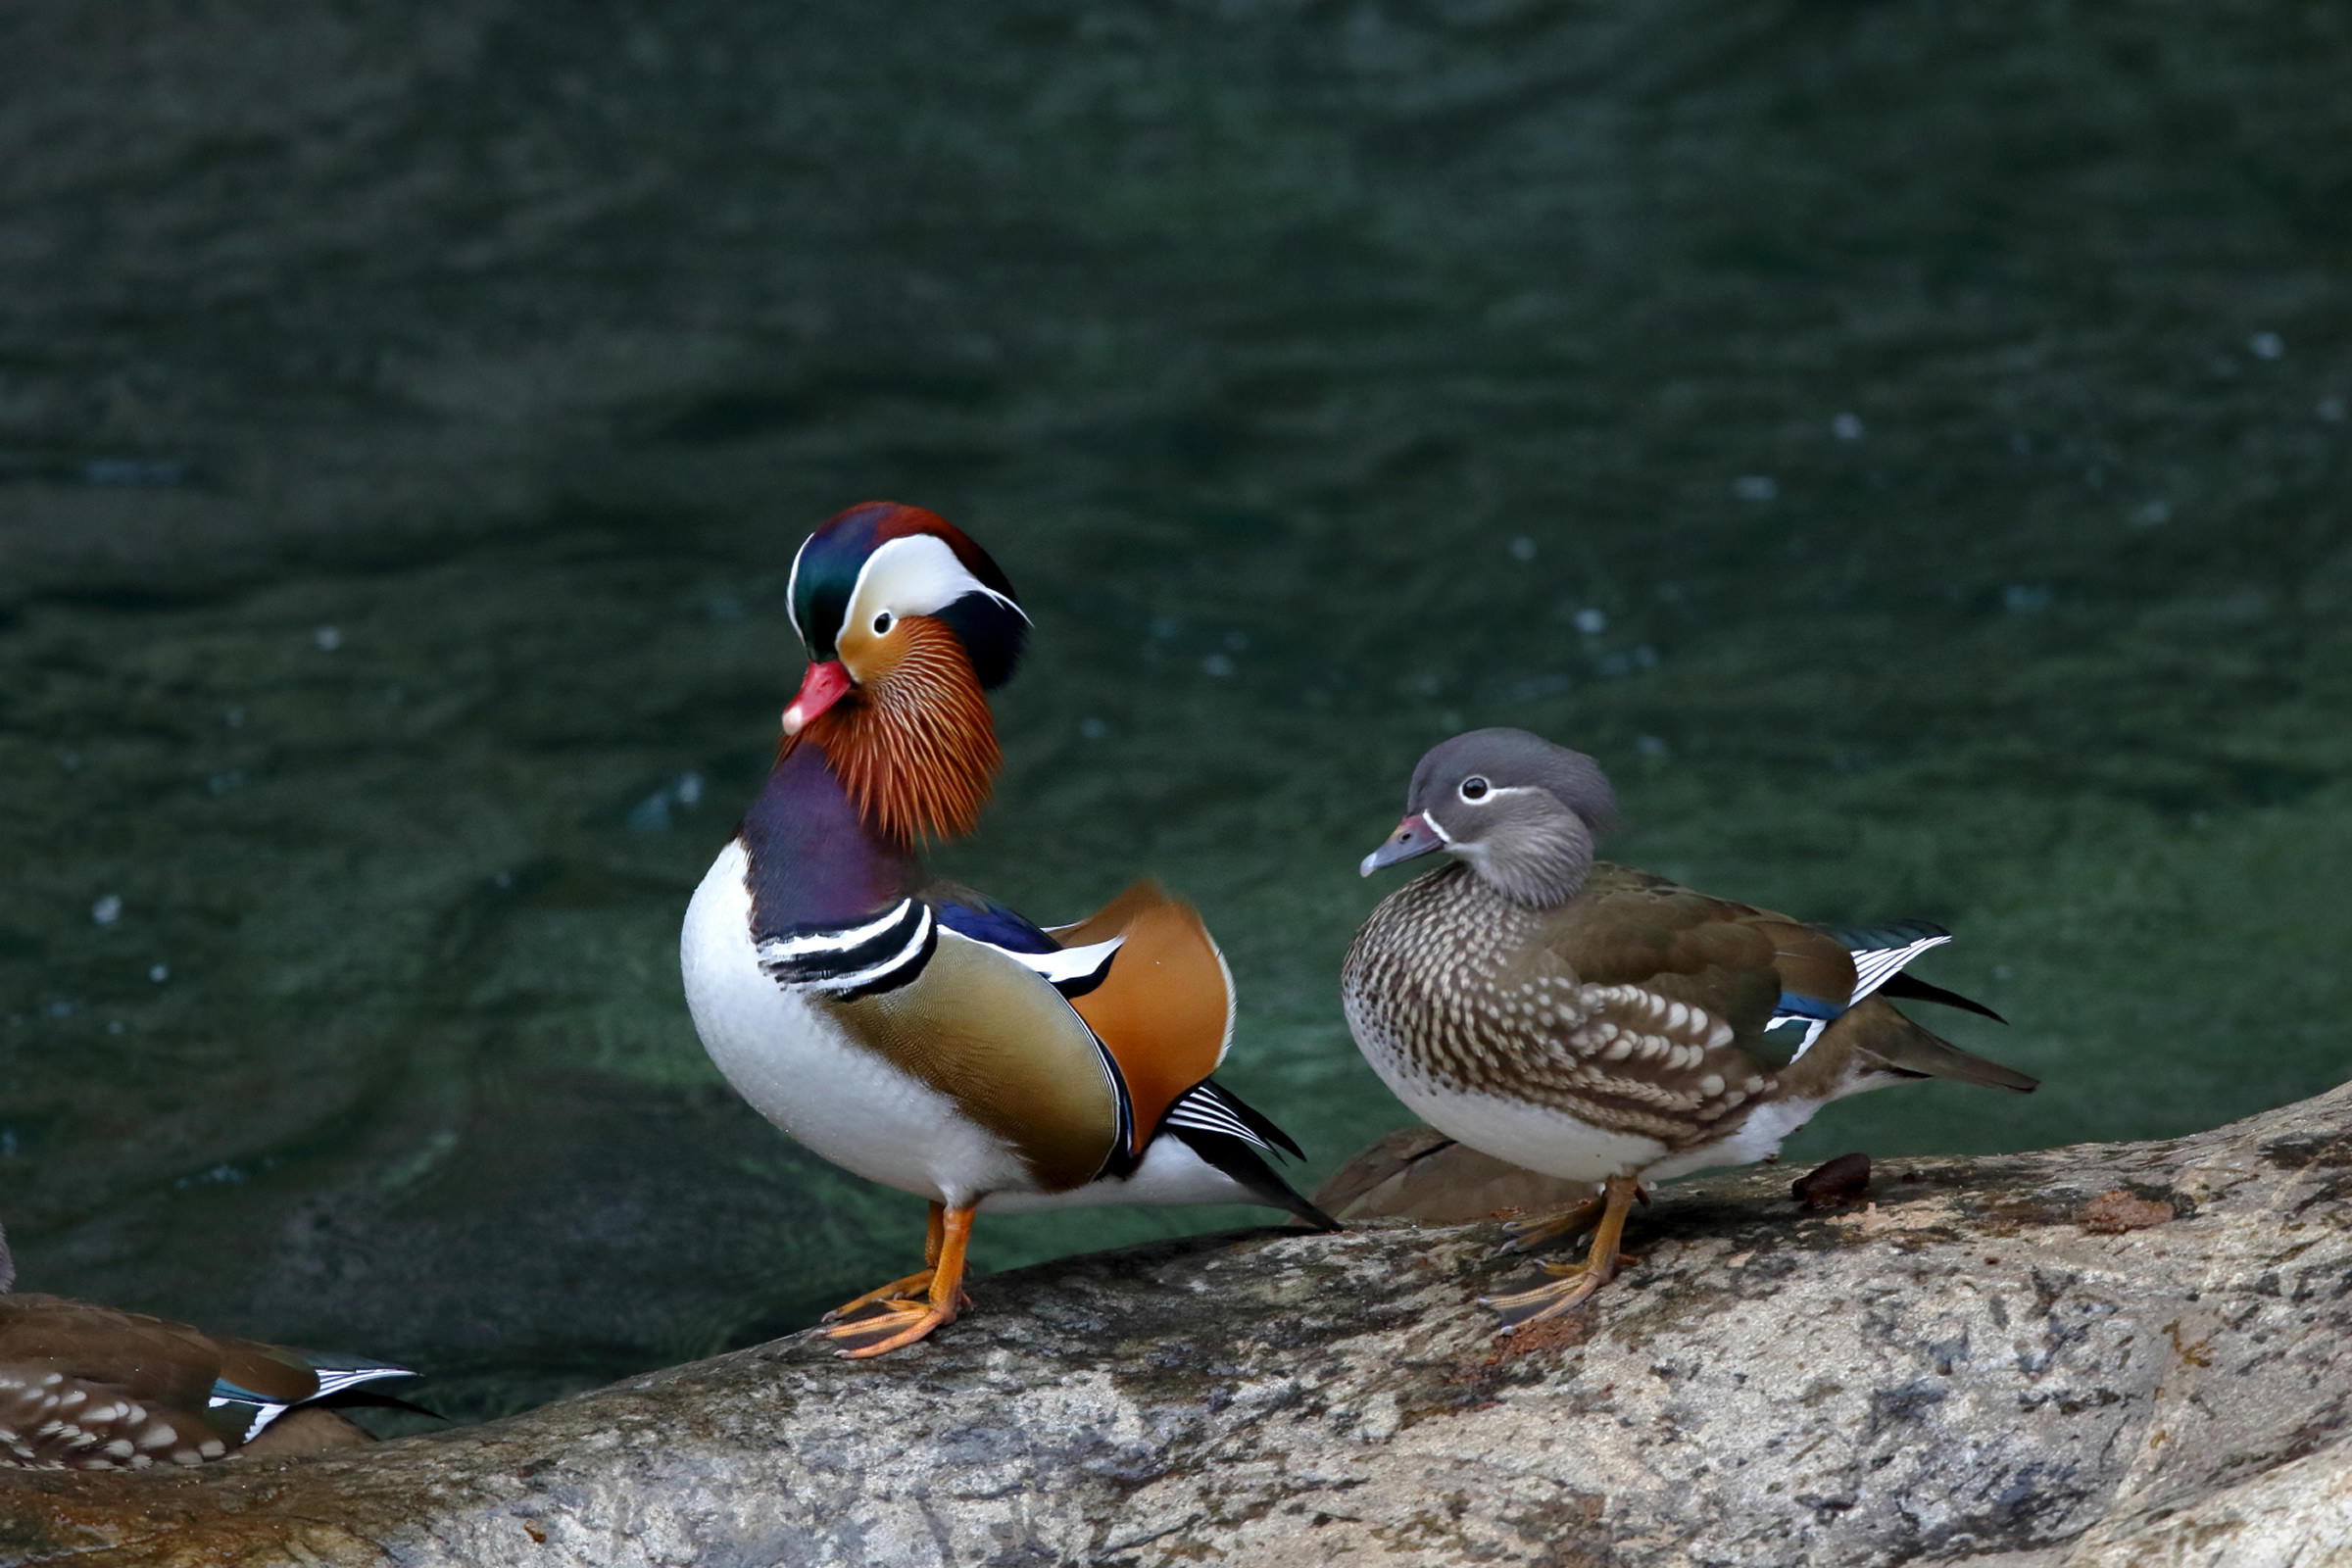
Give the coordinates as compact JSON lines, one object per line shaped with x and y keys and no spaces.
{"x":2112,"y":1213}
{"x":1840,"y":1181}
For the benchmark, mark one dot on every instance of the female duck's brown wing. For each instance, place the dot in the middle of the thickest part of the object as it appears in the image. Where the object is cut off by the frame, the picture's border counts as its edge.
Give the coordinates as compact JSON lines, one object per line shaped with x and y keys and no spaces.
{"x":87,"y":1386}
{"x":1164,"y":1008}
{"x":1742,"y":964}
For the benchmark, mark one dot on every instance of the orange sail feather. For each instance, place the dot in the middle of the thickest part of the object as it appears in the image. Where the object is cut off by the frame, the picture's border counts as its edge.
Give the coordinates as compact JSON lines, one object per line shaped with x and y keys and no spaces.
{"x":1165,"y":1010}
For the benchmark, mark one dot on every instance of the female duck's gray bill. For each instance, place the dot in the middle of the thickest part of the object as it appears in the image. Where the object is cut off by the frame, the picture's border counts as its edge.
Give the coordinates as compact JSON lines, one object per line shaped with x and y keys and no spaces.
{"x":1416,"y":835}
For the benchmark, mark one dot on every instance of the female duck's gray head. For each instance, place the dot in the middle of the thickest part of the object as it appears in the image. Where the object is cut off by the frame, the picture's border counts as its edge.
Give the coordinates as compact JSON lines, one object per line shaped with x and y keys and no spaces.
{"x":1523,"y":814}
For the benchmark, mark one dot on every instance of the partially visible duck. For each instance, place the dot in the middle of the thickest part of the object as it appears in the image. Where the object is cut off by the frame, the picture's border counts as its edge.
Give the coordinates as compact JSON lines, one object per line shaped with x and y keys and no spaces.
{"x":1597,"y":1023}
{"x":84,"y":1387}
{"x":917,"y":1032}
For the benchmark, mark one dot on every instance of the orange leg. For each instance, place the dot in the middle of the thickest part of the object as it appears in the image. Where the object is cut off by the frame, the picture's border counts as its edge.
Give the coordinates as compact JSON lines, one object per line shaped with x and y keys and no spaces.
{"x":903,"y":1321}
{"x":1572,"y":1282}
{"x":935,"y":1236}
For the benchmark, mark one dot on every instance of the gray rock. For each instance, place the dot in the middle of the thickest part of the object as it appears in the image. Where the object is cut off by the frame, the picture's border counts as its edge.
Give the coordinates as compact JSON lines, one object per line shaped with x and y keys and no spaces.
{"x":2016,"y":1360}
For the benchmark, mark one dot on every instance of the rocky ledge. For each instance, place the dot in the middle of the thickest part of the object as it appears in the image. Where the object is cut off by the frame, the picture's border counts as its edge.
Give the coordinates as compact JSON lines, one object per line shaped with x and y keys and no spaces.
{"x":2103,"y":1354}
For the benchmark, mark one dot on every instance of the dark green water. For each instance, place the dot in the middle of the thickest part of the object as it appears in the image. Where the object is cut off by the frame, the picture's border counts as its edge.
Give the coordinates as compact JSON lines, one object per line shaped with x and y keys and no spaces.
{"x":1907,"y":445}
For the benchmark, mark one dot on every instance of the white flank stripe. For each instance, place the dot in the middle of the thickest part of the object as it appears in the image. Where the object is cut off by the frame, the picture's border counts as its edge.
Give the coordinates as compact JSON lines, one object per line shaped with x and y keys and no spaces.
{"x":1066,"y":963}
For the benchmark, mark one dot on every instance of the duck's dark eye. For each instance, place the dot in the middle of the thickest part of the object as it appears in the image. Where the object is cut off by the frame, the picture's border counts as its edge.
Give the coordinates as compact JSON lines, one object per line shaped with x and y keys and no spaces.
{"x":882,"y":624}
{"x":1474,"y":788}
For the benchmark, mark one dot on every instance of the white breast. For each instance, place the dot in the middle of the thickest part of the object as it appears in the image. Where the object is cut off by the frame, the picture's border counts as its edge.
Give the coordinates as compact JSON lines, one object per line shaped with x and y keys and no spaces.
{"x":803,"y":1072}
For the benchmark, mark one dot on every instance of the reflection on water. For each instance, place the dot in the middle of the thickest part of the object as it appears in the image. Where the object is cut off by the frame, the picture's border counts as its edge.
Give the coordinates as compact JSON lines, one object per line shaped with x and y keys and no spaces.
{"x":1920,"y":509}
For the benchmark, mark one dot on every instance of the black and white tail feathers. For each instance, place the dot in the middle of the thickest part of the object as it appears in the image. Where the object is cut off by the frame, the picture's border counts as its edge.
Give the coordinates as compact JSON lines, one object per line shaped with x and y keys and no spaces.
{"x":1226,"y":1132}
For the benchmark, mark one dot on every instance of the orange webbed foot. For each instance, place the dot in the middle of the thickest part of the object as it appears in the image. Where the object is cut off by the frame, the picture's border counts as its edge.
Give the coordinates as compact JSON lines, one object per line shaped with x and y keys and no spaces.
{"x":905,"y":1317}
{"x":916,"y":1283}
{"x":899,"y":1324}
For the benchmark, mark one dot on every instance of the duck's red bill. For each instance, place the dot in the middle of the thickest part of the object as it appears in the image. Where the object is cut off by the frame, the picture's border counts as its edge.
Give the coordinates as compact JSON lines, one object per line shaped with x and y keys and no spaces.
{"x":824,"y":685}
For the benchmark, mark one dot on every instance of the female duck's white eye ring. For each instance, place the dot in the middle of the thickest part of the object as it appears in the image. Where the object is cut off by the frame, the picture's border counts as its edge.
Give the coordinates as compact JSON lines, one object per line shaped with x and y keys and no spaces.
{"x":882,"y":624}
{"x":1474,"y":788}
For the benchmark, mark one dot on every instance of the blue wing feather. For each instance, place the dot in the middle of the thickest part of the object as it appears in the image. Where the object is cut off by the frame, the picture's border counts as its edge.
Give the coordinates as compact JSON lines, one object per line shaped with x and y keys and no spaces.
{"x":999,"y":928}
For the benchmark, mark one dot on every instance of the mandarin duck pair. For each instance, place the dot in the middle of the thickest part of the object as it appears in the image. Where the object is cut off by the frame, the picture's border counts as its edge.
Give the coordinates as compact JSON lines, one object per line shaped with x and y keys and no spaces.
{"x":84,"y":1387}
{"x":1568,"y":1017}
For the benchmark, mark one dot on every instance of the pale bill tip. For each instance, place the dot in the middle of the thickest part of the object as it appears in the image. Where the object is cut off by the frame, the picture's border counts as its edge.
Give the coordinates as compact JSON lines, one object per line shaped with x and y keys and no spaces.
{"x":1368,"y":864}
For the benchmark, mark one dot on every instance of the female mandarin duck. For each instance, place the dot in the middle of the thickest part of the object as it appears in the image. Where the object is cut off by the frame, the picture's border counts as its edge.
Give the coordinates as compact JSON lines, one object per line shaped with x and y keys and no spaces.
{"x":1597,"y":1023}
{"x":913,"y":1031}
{"x":87,"y":1387}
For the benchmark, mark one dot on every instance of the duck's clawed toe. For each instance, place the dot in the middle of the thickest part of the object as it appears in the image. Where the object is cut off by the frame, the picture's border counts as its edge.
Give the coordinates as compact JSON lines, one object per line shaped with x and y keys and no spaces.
{"x":1571,"y":1285}
{"x":1533,"y":1230}
{"x":900,"y":1323}
{"x":913,"y":1285}
{"x":1572,"y":1282}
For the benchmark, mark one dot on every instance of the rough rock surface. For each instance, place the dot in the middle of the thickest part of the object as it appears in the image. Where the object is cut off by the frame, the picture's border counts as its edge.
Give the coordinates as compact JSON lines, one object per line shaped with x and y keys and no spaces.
{"x":1954,"y":1368}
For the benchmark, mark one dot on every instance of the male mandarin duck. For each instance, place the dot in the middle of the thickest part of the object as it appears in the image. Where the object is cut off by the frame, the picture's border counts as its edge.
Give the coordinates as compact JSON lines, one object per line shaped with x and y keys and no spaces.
{"x":1597,"y":1023}
{"x":913,"y":1031}
{"x":88,"y":1388}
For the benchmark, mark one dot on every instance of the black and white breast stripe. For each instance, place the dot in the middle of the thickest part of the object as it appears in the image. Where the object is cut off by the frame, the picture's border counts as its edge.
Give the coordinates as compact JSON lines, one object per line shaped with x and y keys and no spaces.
{"x":850,"y":961}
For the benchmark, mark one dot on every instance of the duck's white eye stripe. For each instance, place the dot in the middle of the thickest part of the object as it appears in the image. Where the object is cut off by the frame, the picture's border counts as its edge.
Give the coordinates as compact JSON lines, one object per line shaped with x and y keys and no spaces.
{"x":917,"y":575}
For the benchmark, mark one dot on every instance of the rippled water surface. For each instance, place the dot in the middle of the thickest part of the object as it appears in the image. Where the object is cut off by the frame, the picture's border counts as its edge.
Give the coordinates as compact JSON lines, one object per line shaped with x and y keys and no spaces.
{"x":1907,"y":446}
